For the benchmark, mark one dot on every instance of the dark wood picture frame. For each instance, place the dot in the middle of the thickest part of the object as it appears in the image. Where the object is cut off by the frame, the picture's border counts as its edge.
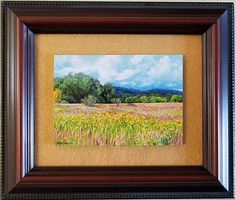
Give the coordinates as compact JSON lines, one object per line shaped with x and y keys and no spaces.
{"x":23,"y":180}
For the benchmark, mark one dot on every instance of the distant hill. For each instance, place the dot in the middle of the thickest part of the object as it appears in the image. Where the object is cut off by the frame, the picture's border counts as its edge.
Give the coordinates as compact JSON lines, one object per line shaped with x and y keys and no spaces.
{"x":164,"y":91}
{"x":132,"y":92}
{"x":123,"y":90}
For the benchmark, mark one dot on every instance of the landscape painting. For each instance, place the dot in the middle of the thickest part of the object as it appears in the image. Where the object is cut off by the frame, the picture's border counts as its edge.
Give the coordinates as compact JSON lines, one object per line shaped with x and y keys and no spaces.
{"x":118,"y":100}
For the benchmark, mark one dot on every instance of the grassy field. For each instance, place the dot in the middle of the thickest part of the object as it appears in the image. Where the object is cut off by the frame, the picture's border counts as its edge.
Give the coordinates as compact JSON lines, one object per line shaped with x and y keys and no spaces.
{"x":119,"y":124}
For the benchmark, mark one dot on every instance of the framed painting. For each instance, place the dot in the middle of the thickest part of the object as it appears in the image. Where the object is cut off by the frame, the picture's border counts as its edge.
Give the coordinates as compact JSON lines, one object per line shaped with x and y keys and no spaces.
{"x":117,"y":100}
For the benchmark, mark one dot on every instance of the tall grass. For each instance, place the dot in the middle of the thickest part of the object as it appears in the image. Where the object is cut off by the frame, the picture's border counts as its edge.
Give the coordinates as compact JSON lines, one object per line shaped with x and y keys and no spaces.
{"x":110,"y":124}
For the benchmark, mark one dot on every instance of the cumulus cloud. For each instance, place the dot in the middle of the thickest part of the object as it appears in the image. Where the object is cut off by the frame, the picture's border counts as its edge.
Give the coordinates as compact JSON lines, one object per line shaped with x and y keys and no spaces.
{"x":139,"y":71}
{"x":137,"y":59}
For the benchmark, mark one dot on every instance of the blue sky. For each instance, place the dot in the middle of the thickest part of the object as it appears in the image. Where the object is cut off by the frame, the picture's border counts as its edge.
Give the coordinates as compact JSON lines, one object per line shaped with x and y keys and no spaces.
{"x":132,"y":71}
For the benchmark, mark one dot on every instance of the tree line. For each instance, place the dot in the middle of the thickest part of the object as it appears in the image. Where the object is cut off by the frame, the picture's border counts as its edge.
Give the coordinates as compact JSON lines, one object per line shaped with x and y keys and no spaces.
{"x":81,"y":88}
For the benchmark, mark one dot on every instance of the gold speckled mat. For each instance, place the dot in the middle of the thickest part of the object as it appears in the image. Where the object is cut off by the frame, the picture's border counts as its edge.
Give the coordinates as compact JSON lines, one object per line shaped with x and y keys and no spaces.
{"x":48,"y":154}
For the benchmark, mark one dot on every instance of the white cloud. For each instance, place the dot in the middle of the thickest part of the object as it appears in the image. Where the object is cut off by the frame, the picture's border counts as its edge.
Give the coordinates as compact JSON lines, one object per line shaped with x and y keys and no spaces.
{"x":137,"y":59}
{"x":72,"y":63}
{"x":166,"y":70}
{"x":160,"y":68}
{"x":105,"y":66}
{"x":139,"y":71}
{"x":171,"y":85}
{"x":126,"y":74}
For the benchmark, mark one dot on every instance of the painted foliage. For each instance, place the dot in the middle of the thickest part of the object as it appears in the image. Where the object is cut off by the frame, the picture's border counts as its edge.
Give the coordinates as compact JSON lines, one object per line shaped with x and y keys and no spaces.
{"x":131,"y":100}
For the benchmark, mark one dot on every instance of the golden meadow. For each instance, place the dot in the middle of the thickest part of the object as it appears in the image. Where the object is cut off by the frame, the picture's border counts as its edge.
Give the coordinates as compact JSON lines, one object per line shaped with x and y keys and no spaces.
{"x":129,"y":124}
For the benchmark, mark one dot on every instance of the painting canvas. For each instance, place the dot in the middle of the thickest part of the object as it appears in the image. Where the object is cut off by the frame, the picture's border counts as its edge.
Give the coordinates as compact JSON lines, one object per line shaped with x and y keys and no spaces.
{"x":118,"y":100}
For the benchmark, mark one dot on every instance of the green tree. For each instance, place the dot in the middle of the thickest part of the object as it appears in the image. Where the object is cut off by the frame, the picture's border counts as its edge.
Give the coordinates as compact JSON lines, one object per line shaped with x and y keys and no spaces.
{"x":176,"y":98}
{"x":144,"y":99}
{"x":76,"y":86}
{"x":107,"y":93}
{"x":136,"y":99}
{"x":160,"y":99}
{"x":123,"y":97}
{"x":168,"y":97}
{"x":129,"y":100}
